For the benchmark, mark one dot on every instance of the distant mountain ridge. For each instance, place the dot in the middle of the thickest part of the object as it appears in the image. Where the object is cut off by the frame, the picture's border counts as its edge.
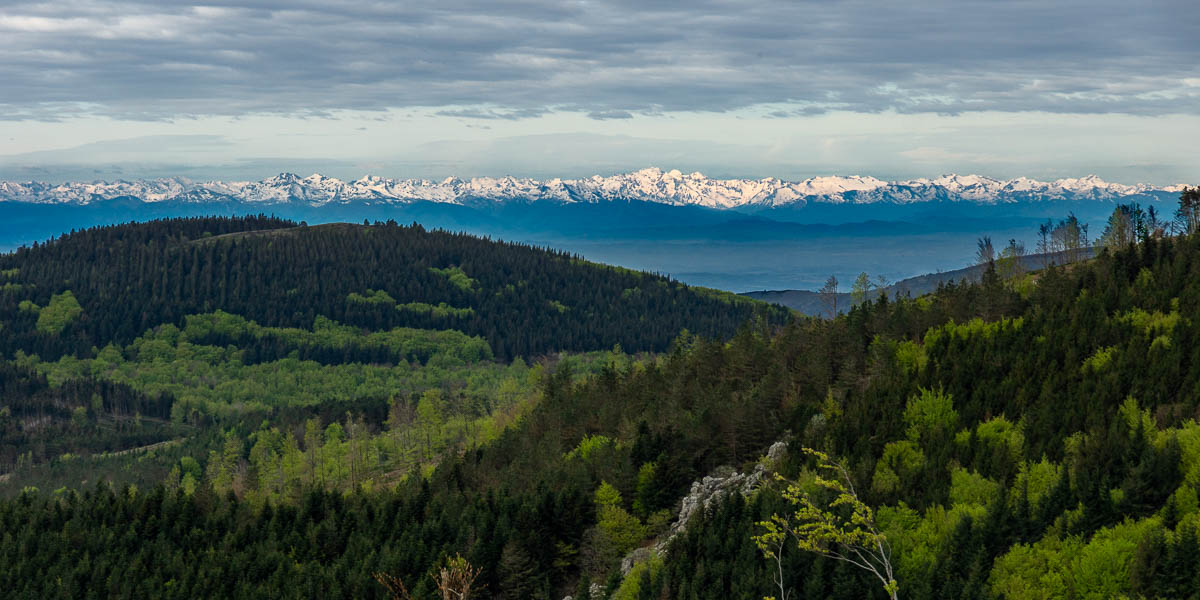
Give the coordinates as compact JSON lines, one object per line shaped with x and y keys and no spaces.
{"x":647,"y":185}
{"x":814,"y":303}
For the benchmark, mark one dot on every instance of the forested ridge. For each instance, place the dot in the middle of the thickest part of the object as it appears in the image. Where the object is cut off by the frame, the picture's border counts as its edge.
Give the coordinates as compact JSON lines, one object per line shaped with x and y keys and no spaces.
{"x":1029,"y":437}
{"x":524,"y":301}
{"x":408,"y":343}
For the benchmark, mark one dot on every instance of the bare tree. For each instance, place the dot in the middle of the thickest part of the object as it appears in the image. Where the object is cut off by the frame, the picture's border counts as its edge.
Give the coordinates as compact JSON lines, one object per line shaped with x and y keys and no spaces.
{"x":829,"y":295}
{"x":985,"y":253}
{"x":1155,"y":224}
{"x":393,"y":585}
{"x":1043,"y":245}
{"x":1070,"y":236}
{"x":454,"y":580}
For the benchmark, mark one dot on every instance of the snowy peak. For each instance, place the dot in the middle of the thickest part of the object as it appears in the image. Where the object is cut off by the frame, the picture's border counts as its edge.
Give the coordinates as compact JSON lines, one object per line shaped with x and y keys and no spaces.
{"x":652,"y":184}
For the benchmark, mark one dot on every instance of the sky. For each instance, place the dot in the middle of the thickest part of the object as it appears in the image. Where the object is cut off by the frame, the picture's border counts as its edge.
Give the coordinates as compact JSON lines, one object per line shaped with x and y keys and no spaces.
{"x":96,"y":89}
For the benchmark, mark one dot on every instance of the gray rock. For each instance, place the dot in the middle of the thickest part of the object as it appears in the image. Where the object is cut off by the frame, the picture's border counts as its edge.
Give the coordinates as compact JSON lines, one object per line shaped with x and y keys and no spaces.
{"x":777,"y":452}
{"x":713,"y":489}
{"x":595,"y":592}
{"x":704,"y":497}
{"x":637,"y":556}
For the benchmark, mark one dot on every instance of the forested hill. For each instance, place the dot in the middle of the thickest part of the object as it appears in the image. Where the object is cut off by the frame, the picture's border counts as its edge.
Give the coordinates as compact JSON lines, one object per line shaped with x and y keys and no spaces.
{"x":1034,"y":437}
{"x":110,"y":284}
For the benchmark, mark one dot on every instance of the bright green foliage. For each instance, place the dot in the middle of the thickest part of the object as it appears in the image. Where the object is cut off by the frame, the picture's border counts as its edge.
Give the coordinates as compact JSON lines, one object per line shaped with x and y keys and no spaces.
{"x":441,"y":310}
{"x":930,"y":414}
{"x":607,"y":496}
{"x":899,"y":466}
{"x":189,"y":466}
{"x":559,"y":306}
{"x":216,"y":380}
{"x":1039,"y":572}
{"x":636,"y":584}
{"x":1003,"y":437}
{"x":1153,"y":323}
{"x":972,"y":328}
{"x":1008,"y":264}
{"x":429,"y":421}
{"x":225,"y":466}
{"x":457,"y":277}
{"x":1071,"y":568}
{"x":1189,"y":444}
{"x":1099,"y":360}
{"x":1038,"y":478}
{"x":590,"y":445}
{"x":1134,"y":417}
{"x":919,"y":540}
{"x":911,"y":356}
{"x":372,"y":297}
{"x":1024,"y":285}
{"x":9,"y":273}
{"x":63,"y":309}
{"x":968,"y":488}
{"x":442,"y":345}
{"x":1186,"y":502}
{"x":826,"y":528}
{"x":623,"y":530}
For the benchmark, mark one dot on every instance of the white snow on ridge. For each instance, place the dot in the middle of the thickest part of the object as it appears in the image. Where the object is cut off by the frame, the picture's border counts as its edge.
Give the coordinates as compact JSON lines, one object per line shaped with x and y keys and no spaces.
{"x":647,"y":185}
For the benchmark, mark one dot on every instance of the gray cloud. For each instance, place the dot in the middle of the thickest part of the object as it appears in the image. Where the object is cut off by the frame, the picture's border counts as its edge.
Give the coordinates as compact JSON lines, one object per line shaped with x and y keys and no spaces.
{"x":501,"y":59}
{"x":604,"y":115}
{"x":492,"y":113}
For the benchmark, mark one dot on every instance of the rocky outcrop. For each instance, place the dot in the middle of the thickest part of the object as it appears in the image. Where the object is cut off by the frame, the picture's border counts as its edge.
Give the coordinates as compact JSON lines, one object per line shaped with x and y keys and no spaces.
{"x":639,"y":555}
{"x":705,"y":495}
{"x":710,"y":491}
{"x":595,"y":592}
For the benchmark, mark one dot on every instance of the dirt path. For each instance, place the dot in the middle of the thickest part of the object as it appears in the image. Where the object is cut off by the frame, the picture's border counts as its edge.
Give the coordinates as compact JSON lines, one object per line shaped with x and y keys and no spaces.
{"x":141,"y":448}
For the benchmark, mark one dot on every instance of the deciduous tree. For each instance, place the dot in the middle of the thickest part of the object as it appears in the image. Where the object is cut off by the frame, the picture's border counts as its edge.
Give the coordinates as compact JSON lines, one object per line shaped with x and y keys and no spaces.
{"x":842,"y":528}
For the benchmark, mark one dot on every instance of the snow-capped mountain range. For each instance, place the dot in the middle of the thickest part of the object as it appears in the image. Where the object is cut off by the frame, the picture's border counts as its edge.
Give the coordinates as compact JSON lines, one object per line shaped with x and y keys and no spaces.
{"x":647,"y":185}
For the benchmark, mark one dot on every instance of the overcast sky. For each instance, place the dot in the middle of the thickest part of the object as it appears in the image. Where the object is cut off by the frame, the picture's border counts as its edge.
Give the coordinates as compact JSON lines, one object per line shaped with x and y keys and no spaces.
{"x":92,"y":88}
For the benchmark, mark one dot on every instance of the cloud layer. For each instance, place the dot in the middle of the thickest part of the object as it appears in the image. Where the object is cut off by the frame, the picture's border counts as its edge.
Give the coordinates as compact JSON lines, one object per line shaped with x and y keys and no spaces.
{"x":512,"y":59}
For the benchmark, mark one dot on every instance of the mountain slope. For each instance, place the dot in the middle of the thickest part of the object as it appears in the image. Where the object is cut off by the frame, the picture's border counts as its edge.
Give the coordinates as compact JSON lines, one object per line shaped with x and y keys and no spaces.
{"x":524,"y":301}
{"x":1039,"y":443}
{"x":124,"y":337}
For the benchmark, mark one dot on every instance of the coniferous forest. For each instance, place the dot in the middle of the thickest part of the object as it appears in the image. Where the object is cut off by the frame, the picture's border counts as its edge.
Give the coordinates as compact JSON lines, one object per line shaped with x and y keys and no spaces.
{"x":244,"y":408}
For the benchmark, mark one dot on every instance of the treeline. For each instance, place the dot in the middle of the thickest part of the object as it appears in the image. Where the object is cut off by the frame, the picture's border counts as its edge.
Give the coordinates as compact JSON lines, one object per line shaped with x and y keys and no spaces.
{"x":524,"y":301}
